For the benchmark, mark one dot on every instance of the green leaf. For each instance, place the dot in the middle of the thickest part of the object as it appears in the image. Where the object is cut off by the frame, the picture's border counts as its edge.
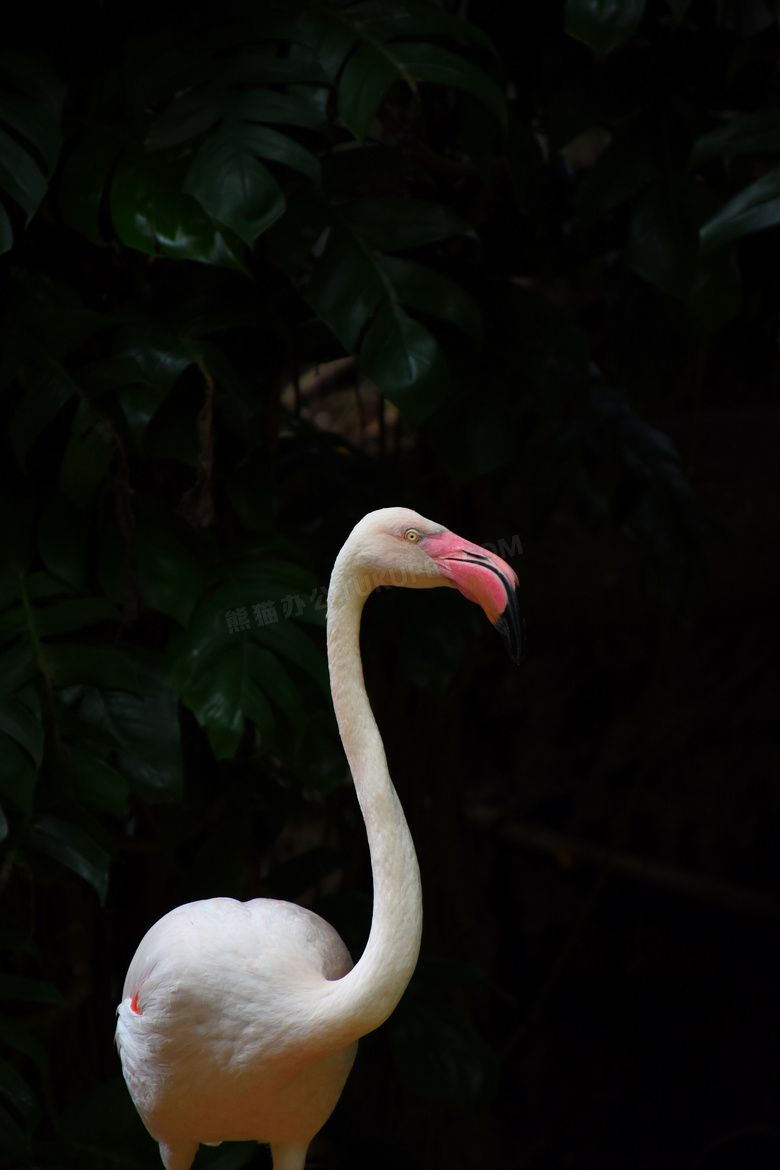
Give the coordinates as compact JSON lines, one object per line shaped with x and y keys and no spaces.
{"x":18,"y":721}
{"x":43,"y":399}
{"x":412,"y":18}
{"x":17,"y":667}
{"x":345,"y":286}
{"x":35,"y":123}
{"x":13,"y":1141}
{"x":18,"y":777}
{"x":62,"y":540}
{"x":266,"y":105}
{"x":15,"y":1089}
{"x":422,"y":288}
{"x":371,"y":71}
{"x":147,"y":362}
{"x":678,"y":8}
{"x":271,"y":144}
{"x":83,"y":182}
{"x":73,"y":848}
{"x":87,"y":458}
{"x":170,"y":576}
{"x":662,"y":244}
{"x":12,"y":623}
{"x":24,"y":988}
{"x":440,"y":1055}
{"x":225,"y":692}
{"x":756,"y":133}
{"x":97,"y":783}
{"x":188,"y":117}
{"x":233,"y":187}
{"x":752,"y":209}
{"x":153,"y":216}
{"x":77,"y":613}
{"x":390,"y":222}
{"x":287,"y":639}
{"x":266,"y":68}
{"x":33,"y":78}
{"x":103,"y":666}
{"x":20,"y":175}
{"x":624,"y":169}
{"x":405,"y":362}
{"x":603,"y":24}
{"x":365,"y":80}
{"x":6,"y":231}
{"x":425,"y":62}
{"x":145,"y":727}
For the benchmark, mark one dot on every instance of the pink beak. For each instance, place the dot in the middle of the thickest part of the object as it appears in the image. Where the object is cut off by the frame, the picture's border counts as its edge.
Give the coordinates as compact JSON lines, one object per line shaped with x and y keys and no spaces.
{"x":483,"y":577}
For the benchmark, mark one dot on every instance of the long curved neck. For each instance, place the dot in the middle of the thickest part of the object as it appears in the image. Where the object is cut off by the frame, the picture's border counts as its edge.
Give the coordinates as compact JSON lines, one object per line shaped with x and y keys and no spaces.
{"x":364,"y":998}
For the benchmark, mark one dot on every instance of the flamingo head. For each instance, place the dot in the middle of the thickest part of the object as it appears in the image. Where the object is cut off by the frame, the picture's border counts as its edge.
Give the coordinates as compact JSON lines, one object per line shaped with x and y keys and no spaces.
{"x":396,"y":546}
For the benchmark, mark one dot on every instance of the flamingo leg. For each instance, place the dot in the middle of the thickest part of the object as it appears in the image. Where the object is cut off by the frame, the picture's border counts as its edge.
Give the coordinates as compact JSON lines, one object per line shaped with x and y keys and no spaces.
{"x":287,"y":1156}
{"x":179,"y":1157}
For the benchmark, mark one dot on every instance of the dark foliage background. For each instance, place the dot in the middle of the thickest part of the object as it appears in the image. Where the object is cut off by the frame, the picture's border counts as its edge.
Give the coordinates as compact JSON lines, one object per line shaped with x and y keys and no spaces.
{"x":266,"y":267}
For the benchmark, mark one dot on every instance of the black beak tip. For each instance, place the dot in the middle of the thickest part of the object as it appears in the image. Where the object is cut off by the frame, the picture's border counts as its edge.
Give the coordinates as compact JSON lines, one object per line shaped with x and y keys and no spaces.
{"x":511,"y":627}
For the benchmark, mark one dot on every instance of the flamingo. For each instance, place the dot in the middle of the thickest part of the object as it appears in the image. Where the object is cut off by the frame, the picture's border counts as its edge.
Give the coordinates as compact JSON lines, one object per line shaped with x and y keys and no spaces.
{"x":240,"y":1020}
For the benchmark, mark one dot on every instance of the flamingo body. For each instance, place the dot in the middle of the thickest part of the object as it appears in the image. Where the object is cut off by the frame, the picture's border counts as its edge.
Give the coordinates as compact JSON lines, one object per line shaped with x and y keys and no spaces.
{"x":240,"y":1020}
{"x":205,"y":1065}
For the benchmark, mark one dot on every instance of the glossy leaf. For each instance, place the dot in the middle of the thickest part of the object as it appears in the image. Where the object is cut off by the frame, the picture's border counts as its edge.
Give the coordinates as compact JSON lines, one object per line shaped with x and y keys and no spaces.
{"x":18,"y":721}
{"x":413,"y":18}
{"x":425,"y":62}
{"x":756,"y":133}
{"x":44,"y":397}
{"x":752,"y":209}
{"x":18,"y":777}
{"x":392,"y":223}
{"x":145,"y":728}
{"x":73,"y":848}
{"x":186,"y":118}
{"x":624,"y":170}
{"x":153,"y":216}
{"x":170,"y":576}
{"x":77,"y":613}
{"x":405,"y":362}
{"x":271,"y":144}
{"x":428,"y":291}
{"x":366,"y":78}
{"x":17,"y":667}
{"x":603,"y":24}
{"x":87,"y":458}
{"x":17,"y":1091}
{"x":225,"y":692}
{"x":34,"y":78}
{"x":20,"y":175}
{"x":6,"y":231}
{"x":345,"y":286}
{"x":62,"y":541}
{"x":264,"y":68}
{"x":663,"y":242}
{"x":233,"y":187}
{"x":371,"y":71}
{"x":35,"y":123}
{"x":84,"y":179}
{"x":103,"y":666}
{"x":97,"y":783}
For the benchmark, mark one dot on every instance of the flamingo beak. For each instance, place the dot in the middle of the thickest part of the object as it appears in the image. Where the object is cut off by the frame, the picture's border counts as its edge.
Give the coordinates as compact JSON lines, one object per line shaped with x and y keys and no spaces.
{"x":486,"y":579}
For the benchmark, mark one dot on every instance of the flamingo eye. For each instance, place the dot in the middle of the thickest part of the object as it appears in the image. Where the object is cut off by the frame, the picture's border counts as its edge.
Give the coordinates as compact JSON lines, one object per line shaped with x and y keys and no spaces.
{"x":412,"y":535}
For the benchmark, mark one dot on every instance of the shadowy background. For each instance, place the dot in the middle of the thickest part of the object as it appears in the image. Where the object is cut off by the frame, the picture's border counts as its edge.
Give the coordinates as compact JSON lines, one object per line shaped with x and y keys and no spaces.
{"x":267,"y":267}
